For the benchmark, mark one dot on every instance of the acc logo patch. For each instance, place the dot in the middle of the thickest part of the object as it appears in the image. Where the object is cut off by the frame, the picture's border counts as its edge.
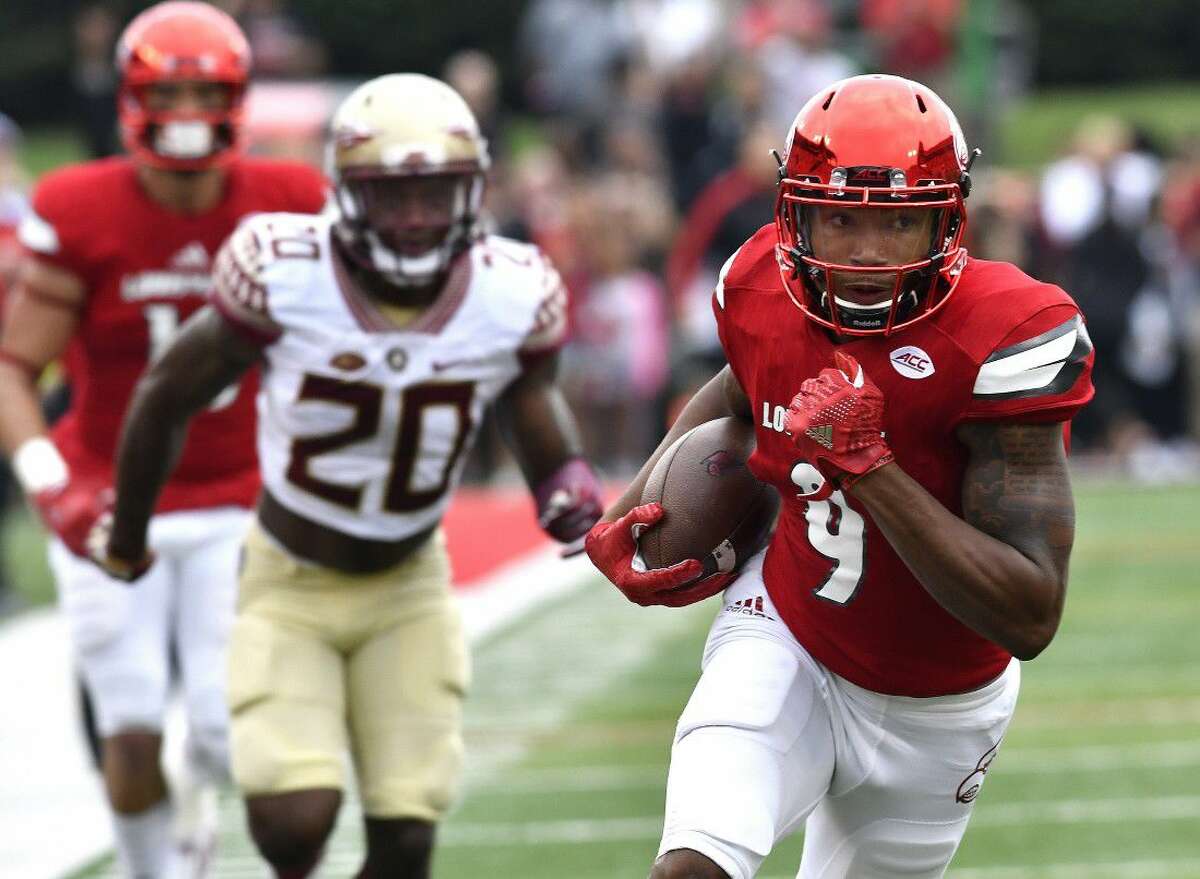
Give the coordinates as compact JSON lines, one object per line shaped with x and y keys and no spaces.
{"x":911,"y":362}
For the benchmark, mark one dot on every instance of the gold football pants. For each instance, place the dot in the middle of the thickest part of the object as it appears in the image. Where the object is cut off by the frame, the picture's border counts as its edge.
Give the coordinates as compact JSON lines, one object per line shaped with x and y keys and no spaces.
{"x":323,"y":663}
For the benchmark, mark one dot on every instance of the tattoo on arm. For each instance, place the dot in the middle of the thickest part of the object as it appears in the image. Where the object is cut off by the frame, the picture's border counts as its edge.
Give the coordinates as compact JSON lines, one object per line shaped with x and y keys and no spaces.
{"x":1016,"y":488}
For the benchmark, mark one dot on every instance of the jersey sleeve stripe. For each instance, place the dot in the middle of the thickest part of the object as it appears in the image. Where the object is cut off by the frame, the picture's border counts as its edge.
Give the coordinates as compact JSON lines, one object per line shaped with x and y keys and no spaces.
{"x":1043,"y":366}
{"x":1075,"y":322}
{"x":549,"y":330}
{"x":238,"y":295}
{"x":719,"y":293}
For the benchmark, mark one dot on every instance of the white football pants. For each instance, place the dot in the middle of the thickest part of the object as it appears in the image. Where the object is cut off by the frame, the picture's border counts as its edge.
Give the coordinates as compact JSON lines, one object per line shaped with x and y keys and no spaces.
{"x":771,"y":741}
{"x":124,"y":635}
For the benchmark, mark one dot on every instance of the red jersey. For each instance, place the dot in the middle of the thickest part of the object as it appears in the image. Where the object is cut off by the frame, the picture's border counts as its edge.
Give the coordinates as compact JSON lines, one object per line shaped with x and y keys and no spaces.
{"x":1003,"y":347}
{"x":146,"y":269}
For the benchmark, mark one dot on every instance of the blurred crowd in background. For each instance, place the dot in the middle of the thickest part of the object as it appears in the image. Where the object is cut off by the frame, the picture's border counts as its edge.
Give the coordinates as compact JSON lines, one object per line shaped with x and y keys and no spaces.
{"x":632,"y":142}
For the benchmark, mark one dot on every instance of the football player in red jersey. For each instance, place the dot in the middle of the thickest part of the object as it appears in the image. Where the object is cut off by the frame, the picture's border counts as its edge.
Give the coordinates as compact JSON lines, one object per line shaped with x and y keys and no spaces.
{"x":909,"y":404}
{"x":118,"y":254}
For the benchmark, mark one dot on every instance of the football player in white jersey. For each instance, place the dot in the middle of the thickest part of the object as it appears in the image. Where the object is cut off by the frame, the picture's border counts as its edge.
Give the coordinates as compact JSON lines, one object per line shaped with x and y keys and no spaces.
{"x":385,"y":327}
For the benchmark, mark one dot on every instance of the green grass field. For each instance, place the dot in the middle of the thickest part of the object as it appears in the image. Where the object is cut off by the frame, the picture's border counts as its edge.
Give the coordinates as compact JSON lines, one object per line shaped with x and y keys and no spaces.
{"x":1039,"y":127}
{"x":570,"y":722}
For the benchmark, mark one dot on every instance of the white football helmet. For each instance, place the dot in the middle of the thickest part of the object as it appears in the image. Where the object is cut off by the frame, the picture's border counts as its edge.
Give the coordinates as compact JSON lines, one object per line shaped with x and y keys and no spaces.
{"x":408,"y":166}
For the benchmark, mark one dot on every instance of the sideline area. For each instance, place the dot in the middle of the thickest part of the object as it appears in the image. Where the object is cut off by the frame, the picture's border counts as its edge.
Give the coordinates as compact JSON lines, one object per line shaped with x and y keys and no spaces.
{"x":52,"y":809}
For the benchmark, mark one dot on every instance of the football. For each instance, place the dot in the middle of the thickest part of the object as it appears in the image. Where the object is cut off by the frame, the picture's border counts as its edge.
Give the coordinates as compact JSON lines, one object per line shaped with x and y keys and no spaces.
{"x":715,"y":510}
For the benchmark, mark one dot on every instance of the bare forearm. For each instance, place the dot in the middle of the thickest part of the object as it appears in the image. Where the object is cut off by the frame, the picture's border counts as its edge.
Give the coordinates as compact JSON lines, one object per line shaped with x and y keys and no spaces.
{"x":22,"y":410}
{"x":983,"y":582}
{"x":541,"y":431}
{"x":151,"y":440}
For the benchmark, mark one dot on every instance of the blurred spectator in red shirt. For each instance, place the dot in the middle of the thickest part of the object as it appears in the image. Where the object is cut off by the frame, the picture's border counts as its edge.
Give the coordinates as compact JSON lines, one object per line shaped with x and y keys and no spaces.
{"x":916,"y":39}
{"x":728,"y":211}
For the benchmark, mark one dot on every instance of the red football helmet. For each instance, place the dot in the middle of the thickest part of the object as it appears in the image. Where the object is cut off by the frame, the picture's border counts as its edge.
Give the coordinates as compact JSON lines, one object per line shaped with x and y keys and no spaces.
{"x":873,"y":143}
{"x":179,"y":41}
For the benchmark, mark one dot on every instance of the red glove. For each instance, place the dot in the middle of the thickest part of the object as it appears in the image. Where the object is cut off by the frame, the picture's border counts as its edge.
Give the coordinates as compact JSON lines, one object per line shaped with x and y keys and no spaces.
{"x":612,"y":547}
{"x":72,"y":510}
{"x":836,"y":421}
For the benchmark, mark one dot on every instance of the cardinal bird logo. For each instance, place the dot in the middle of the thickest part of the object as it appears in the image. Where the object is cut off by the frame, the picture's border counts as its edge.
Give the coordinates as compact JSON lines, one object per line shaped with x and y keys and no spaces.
{"x":719,"y":463}
{"x":969,"y":789}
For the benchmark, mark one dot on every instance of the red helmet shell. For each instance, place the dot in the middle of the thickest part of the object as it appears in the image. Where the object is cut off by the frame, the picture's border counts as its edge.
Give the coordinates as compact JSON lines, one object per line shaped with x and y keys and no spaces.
{"x":873,"y":142}
{"x":181,"y":40}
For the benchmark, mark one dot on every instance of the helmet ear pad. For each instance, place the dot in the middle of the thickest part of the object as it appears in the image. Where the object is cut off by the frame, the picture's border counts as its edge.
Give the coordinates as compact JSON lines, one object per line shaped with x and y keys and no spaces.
{"x":402,"y":227}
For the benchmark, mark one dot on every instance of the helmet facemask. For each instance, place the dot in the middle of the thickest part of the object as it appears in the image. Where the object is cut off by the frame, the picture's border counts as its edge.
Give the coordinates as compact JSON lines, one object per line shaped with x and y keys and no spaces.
{"x":873,"y":148}
{"x":184,"y":139}
{"x":893,"y":281}
{"x":407,"y":227}
{"x":408,"y":167}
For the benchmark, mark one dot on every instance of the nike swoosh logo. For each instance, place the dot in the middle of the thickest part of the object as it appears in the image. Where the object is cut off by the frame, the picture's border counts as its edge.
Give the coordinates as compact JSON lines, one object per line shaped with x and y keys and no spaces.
{"x":443,"y":365}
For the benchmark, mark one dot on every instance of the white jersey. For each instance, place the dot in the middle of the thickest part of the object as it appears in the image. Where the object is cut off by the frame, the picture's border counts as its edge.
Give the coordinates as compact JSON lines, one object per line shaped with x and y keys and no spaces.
{"x":364,"y":426}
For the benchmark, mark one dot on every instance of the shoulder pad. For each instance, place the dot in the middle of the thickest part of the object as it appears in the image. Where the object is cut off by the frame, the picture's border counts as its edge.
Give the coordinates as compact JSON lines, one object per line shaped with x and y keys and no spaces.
{"x":752,"y":265}
{"x":240,"y":290}
{"x":549,"y":330}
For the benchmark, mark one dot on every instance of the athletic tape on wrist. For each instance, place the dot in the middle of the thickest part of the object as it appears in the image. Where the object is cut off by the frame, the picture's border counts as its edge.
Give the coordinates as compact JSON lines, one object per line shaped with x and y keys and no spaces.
{"x":39,"y":466}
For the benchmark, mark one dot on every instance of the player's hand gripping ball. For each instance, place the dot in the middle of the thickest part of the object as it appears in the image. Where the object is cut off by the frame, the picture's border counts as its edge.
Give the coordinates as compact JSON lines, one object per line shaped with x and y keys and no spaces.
{"x":836,"y":421}
{"x":613,"y":548}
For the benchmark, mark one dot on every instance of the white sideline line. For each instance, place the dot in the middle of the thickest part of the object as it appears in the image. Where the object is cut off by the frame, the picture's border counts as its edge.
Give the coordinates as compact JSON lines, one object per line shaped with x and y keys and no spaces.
{"x":1040,"y":761}
{"x":1144,"y":869}
{"x":52,"y":807}
{"x":1135,"y":810}
{"x":1095,"y":758}
{"x":518,"y":588}
{"x":574,"y":831}
{"x":1108,"y":712}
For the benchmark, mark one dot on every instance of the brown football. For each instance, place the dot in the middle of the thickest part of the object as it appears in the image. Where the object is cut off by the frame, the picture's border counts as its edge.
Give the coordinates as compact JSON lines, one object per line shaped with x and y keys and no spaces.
{"x":715,"y":510}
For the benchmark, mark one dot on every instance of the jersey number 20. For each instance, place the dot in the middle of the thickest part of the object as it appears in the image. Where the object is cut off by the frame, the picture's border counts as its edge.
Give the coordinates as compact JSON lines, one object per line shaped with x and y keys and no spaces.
{"x":411,"y":448}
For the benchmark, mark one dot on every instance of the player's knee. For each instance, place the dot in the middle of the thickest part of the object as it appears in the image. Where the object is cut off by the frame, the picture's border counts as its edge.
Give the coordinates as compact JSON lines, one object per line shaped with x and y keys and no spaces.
{"x":684,"y":863}
{"x":291,"y":829}
{"x":133,"y":754}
